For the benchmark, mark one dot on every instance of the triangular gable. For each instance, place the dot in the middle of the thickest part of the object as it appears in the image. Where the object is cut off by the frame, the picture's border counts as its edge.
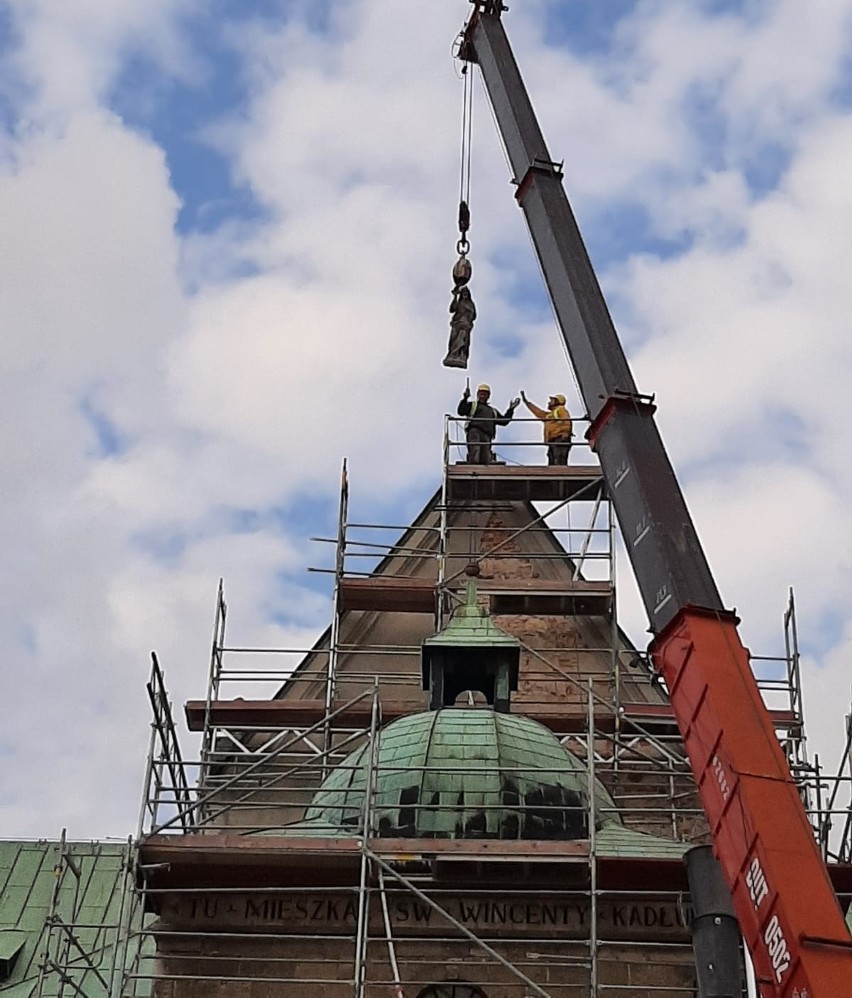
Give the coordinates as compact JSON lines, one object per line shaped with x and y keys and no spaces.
{"x":512,"y":546}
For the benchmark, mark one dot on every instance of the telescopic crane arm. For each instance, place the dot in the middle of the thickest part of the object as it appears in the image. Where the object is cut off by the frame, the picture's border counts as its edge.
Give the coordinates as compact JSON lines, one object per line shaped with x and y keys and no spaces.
{"x":786,"y":906}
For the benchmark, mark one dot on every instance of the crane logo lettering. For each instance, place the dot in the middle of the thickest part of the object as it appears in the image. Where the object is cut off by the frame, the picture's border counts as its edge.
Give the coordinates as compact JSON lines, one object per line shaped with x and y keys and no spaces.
{"x":776,"y":945}
{"x":721,"y":778}
{"x":756,"y":882}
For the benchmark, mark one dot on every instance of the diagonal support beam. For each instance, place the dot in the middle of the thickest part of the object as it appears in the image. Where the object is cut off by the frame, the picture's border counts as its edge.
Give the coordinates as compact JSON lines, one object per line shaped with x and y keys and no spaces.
{"x":387,"y":868}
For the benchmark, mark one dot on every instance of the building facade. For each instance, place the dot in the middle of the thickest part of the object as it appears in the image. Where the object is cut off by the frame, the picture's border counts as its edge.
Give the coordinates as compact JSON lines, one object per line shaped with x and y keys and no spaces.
{"x":471,"y":786}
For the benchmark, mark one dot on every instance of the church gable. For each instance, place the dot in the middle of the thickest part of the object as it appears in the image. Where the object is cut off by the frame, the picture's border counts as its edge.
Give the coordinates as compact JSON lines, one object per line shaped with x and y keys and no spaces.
{"x":558,"y":605}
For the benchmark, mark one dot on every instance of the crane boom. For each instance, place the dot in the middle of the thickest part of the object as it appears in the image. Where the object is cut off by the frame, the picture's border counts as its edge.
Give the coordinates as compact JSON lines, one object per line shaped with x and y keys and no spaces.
{"x":785,"y":903}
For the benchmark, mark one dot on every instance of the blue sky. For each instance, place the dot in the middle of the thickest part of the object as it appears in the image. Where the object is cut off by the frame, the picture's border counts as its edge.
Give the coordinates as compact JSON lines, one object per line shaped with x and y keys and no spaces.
{"x":225,"y":265}
{"x":175,"y":113}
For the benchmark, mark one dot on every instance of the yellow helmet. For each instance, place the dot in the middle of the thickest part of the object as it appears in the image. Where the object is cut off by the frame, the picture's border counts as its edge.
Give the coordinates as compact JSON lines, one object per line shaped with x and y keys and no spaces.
{"x":559,"y":399}
{"x":484,"y":388}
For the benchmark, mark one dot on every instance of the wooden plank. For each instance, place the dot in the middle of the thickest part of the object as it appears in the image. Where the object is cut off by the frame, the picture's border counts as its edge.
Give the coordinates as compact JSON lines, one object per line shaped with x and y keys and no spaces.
{"x":518,"y":472}
{"x":522,"y":482}
{"x":227,"y":848}
{"x":296,"y":714}
{"x":218,"y":848}
{"x":388,"y":593}
{"x":554,"y":586}
{"x":552,"y":604}
{"x":218,"y":859}
{"x":290,"y":713}
{"x":653,"y":715}
{"x":562,"y":719}
{"x":406,"y":595}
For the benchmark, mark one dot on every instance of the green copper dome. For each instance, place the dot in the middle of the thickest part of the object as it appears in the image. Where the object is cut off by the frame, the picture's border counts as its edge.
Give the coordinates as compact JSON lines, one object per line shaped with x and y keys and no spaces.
{"x":458,"y":773}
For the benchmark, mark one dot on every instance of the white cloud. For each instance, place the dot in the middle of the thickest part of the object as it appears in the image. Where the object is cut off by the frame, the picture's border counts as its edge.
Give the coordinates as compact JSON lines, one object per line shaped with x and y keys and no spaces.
{"x":69,"y":55}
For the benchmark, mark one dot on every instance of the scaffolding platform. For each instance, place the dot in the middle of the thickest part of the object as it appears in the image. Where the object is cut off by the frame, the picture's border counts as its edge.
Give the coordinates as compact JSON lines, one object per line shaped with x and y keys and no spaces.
{"x":233,"y":862}
{"x":579,"y":597}
{"x":541,"y":597}
{"x":164,"y":854}
{"x":659,"y":717}
{"x":306,"y":825}
{"x":299,"y":714}
{"x":387,"y":593}
{"x":179,"y":863}
{"x":534,"y":483}
{"x":266,"y":848}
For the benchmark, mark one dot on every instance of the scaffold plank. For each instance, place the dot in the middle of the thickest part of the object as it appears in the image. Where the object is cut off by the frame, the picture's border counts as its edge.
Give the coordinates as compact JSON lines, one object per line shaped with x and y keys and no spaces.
{"x":217,"y":859}
{"x":660,"y":718}
{"x":508,"y":596}
{"x":296,"y":714}
{"x":537,"y":597}
{"x":170,"y":853}
{"x":523,"y":482}
{"x":387,"y":593}
{"x":564,"y":719}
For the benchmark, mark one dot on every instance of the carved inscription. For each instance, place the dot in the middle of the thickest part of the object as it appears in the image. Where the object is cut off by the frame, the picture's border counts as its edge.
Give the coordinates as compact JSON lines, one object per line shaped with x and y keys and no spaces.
{"x":286,"y":911}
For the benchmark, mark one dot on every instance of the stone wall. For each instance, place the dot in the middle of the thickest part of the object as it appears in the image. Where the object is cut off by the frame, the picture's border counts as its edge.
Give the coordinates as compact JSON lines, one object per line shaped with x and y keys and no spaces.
{"x":257,"y":945}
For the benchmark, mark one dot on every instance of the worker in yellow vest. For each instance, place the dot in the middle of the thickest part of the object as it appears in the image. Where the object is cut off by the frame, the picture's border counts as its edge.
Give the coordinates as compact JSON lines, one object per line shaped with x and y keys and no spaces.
{"x":558,"y":429}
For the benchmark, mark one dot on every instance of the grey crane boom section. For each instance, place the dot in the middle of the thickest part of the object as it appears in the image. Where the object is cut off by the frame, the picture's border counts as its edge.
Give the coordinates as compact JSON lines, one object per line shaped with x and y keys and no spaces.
{"x":669,"y":564}
{"x":590,"y":335}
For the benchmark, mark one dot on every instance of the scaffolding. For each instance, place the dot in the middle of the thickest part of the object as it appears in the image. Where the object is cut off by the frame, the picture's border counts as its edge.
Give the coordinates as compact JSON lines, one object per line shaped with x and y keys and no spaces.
{"x":251,"y":882}
{"x":831,"y":793}
{"x":397,"y":920}
{"x":93,"y":938}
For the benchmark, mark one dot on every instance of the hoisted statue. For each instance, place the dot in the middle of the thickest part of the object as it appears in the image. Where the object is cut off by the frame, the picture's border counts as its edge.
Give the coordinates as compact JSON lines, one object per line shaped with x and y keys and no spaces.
{"x":463,"y":314}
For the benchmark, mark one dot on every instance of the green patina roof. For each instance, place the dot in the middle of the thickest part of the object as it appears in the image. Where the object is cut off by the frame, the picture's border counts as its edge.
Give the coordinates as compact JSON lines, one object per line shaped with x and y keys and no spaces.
{"x":614,"y":839}
{"x":471,"y":626}
{"x":27,"y":879}
{"x":461,"y":773}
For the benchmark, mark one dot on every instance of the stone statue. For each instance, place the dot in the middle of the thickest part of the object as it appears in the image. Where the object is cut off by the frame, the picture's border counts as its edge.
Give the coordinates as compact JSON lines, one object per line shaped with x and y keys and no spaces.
{"x":463,"y":312}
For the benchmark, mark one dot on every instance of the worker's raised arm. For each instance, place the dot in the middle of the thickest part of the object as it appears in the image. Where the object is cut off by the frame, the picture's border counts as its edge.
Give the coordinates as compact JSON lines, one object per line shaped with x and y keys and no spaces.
{"x":464,"y":407}
{"x":533,"y":408}
{"x":506,"y":418}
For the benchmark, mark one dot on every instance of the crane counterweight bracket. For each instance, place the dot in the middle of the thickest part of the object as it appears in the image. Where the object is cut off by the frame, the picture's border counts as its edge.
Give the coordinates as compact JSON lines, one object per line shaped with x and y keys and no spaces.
{"x":641,"y":397}
{"x":538,"y":167}
{"x":618,"y":400}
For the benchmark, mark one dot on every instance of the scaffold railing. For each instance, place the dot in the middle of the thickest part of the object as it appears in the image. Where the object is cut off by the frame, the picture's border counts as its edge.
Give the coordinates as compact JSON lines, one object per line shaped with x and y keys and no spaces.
{"x":644,"y":772}
{"x":616,"y":668}
{"x":390,"y":891}
{"x":264,"y":771}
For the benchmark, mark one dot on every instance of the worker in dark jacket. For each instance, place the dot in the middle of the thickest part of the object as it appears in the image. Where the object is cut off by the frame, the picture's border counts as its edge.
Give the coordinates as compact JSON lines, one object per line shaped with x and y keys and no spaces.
{"x":558,"y":428}
{"x":483,"y":420}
